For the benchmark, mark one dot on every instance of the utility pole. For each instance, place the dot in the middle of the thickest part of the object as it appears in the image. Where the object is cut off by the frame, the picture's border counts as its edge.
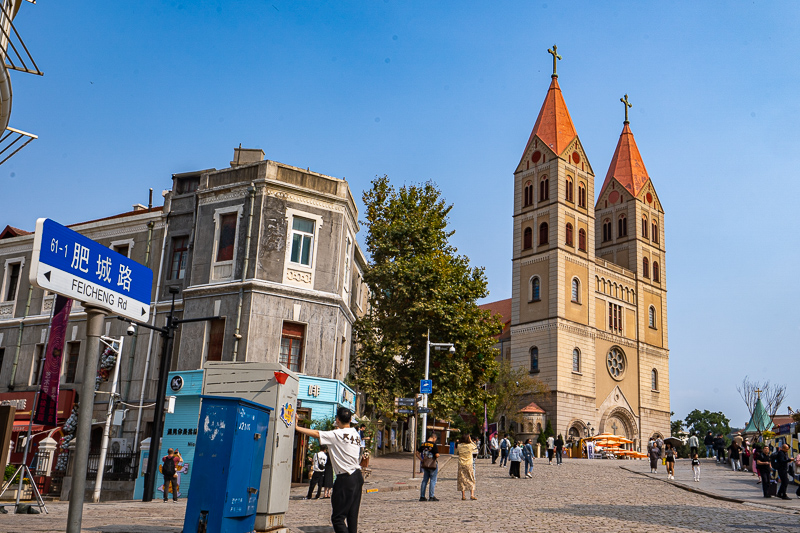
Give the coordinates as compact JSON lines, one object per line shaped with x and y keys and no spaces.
{"x":98,"y":484}
{"x":438,"y":346}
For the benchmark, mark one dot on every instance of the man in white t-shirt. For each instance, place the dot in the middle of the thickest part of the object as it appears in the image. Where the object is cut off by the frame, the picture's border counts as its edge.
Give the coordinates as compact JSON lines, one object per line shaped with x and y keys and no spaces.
{"x":551,"y":444}
{"x":344,"y":447}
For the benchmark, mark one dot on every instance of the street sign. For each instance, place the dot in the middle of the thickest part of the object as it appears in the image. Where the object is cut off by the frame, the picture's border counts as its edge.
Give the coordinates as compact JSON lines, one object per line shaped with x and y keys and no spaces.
{"x":426,"y":386}
{"x":405,"y":411}
{"x":67,"y":263}
{"x":405,"y":401}
{"x":424,"y":410}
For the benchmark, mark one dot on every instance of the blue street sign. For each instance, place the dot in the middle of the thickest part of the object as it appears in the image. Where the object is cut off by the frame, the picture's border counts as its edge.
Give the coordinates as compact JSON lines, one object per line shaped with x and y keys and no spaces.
{"x":426,"y":386}
{"x":67,"y":263}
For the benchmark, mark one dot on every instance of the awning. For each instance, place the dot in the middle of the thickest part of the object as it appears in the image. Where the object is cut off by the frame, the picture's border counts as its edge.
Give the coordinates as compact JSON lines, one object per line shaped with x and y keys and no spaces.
{"x":21,"y":426}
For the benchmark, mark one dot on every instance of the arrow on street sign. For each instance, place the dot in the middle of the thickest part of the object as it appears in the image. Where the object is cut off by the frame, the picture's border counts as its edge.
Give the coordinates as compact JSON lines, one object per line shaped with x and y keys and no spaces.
{"x":405,"y":401}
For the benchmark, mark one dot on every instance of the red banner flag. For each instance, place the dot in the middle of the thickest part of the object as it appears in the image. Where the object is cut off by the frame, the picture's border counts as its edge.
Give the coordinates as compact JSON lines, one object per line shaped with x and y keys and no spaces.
{"x":47,"y":406}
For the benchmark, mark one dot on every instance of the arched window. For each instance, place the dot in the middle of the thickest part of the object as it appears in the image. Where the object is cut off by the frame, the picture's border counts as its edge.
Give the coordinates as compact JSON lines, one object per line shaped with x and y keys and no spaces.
{"x":655,"y":231}
{"x":644,"y":226}
{"x":576,"y":360}
{"x":544,"y":189}
{"x":581,"y":195}
{"x":569,"y":234}
{"x":582,"y":240}
{"x":622,"y":226}
{"x":570,"y":187}
{"x":654,"y":379}
{"x":656,"y":273}
{"x":576,"y":290}
{"x":534,"y":289}
{"x":528,"y":194}
{"x":534,"y":359}
{"x":527,"y":239}
{"x":651,"y":317}
{"x":645,"y":268}
{"x":606,"y":230}
{"x":543,"y":234}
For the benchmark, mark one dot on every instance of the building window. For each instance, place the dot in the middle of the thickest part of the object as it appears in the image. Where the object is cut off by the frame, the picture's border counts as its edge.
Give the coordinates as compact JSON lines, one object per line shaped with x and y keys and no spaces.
{"x":576,"y":360}
{"x":122,"y":248}
{"x":177,"y":269}
{"x":654,"y":379}
{"x":615,"y":318}
{"x":576,"y":290}
{"x":651,"y":317}
{"x":606,"y":230}
{"x":534,"y":359}
{"x":655,"y":231}
{"x":656,"y":273}
{"x":227,"y":236}
{"x":291,"y":355}
{"x":12,"y":281}
{"x":527,"y":239}
{"x":544,"y":189}
{"x":644,"y":226}
{"x":73,"y":353}
{"x":528,"y":194}
{"x":36,"y":363}
{"x":534,"y":286}
{"x":645,"y":267}
{"x":581,"y":195}
{"x":582,"y":240}
{"x":570,"y":186}
{"x":302,"y":240}
{"x":622,"y":226}
{"x":615,"y":362}
{"x":543,"y":234}
{"x":569,"y":234}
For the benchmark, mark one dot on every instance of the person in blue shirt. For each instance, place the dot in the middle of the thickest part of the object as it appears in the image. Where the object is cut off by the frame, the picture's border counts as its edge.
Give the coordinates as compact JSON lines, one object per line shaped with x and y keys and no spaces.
{"x":527,"y":455}
{"x":515,"y":456}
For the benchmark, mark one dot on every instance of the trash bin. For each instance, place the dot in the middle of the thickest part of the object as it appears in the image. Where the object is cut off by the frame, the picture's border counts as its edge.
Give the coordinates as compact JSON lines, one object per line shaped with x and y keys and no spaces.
{"x":228,"y":459}
{"x":452,"y":447}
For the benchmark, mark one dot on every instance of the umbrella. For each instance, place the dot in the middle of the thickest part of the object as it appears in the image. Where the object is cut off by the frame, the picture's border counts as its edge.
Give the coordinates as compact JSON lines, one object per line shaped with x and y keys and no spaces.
{"x":675,"y":441}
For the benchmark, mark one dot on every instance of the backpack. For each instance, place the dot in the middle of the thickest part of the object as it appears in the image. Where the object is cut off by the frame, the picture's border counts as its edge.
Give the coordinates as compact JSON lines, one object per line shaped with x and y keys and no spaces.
{"x":168,"y":466}
{"x":773,"y":459}
{"x":504,"y":444}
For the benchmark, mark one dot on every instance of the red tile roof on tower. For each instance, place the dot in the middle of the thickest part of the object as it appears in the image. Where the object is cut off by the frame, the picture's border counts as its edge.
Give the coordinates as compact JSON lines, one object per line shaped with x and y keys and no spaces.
{"x":627,"y":166}
{"x":554,"y":125}
{"x":502,"y":308}
{"x":531,"y":408}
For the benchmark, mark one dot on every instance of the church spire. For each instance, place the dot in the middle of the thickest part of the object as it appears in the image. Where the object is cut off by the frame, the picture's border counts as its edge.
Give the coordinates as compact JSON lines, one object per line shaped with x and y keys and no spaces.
{"x":627,"y":166}
{"x":554,"y":126}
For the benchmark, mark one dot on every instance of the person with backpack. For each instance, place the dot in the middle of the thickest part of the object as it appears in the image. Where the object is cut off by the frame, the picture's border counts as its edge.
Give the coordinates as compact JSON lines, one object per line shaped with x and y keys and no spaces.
{"x":170,"y":472}
{"x":505,"y":447}
{"x":318,"y":464}
{"x":428,"y":456}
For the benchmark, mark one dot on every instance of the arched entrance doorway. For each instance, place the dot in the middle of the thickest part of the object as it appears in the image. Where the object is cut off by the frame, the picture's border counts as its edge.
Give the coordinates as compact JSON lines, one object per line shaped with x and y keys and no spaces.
{"x":620,"y":421}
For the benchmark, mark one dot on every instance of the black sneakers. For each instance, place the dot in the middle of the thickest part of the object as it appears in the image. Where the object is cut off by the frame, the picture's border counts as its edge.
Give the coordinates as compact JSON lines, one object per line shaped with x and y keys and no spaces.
{"x":433,"y":499}
{"x":423,"y":499}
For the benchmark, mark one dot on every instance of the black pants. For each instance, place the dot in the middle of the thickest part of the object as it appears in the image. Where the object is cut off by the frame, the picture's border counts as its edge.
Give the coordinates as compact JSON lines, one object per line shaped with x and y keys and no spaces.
{"x":316,"y":479}
{"x":784,"y":477}
{"x":692,"y":451}
{"x":514,"y":469}
{"x":764,"y":481}
{"x":495,"y":453}
{"x":174,"y":481}
{"x":721,"y":455}
{"x":346,"y":501}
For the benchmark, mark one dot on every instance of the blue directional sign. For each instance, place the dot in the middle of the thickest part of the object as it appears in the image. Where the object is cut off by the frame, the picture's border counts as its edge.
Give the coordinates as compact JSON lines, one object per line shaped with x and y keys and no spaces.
{"x":426,"y":386}
{"x":67,"y":263}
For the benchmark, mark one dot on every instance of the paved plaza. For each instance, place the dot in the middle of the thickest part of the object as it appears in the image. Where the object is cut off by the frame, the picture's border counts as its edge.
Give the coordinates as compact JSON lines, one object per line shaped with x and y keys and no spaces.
{"x":597,"y":496}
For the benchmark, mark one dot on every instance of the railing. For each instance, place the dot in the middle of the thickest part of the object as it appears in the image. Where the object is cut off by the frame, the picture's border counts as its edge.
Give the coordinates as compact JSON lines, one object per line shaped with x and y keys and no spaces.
{"x":118,"y":466}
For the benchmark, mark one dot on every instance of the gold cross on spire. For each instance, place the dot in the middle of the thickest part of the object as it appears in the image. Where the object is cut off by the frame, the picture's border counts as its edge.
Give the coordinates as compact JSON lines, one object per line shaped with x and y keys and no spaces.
{"x":627,"y":105}
{"x":556,"y":57}
{"x":758,"y":391}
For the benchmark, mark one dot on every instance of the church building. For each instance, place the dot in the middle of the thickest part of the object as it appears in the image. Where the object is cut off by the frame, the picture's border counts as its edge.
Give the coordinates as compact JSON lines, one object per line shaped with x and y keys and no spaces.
{"x":589,"y":299}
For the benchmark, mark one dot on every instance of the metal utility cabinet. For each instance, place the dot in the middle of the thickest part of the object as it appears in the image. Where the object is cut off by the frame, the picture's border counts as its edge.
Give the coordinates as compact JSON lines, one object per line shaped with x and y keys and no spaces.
{"x":228,"y":458}
{"x":269,"y":384}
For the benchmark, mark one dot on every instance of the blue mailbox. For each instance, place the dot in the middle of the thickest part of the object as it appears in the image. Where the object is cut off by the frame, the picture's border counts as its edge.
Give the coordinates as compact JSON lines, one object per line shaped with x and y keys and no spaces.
{"x":228,"y":459}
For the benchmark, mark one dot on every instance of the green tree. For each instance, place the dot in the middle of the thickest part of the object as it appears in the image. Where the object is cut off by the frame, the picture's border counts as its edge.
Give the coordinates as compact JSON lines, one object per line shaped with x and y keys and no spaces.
{"x":701,"y":422}
{"x":418,"y":284}
{"x":510,"y":390}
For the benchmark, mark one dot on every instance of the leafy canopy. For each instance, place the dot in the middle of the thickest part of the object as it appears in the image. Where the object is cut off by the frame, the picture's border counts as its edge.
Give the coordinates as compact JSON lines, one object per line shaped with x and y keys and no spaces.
{"x":511,"y":389}
{"x":418,"y":282}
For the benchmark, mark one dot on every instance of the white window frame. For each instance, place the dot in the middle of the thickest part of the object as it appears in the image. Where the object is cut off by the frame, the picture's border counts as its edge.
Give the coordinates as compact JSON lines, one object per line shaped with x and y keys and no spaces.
{"x":288,"y":264}
{"x":238,"y":209}
{"x":348,"y":271}
{"x":6,"y":271}
{"x":128,"y":242}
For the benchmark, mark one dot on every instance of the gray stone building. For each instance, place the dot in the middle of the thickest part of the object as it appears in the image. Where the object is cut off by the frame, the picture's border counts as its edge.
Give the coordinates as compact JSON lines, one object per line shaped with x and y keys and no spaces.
{"x":269,"y":248}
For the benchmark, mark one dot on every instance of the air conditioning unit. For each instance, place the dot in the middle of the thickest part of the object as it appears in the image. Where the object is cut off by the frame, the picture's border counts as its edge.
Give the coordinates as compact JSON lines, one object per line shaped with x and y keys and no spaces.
{"x":119,"y":446}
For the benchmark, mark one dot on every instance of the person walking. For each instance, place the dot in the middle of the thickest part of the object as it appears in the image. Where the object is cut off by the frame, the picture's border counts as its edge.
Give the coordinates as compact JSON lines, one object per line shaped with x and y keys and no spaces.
{"x":344,"y":448}
{"x":318,"y":463}
{"x":466,"y":467}
{"x":515,"y":456}
{"x":655,"y":454}
{"x":735,"y":455}
{"x":762,"y":463}
{"x":429,"y":462}
{"x":551,"y":444}
{"x":719,"y":446}
{"x":782,"y":461}
{"x":327,"y":479}
{"x":527,"y":456}
{"x":494,"y":448}
{"x":708,"y":442}
{"x":559,"y":444}
{"x":170,"y":472}
{"x":693,"y":445}
{"x":696,"y":467}
{"x":669,"y":453}
{"x":745,"y":457}
{"x":505,"y":447}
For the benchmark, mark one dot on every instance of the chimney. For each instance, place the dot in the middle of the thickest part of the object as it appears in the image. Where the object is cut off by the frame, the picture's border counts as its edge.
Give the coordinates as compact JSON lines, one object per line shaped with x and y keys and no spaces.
{"x":245,"y":156}
{"x":139,"y":207}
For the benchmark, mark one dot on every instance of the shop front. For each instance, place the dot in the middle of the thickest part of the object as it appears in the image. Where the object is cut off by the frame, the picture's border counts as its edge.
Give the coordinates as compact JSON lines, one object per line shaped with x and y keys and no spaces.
{"x":24,"y":401}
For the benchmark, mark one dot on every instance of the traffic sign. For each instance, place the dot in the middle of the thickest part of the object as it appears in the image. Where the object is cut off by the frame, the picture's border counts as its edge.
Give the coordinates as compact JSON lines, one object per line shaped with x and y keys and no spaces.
{"x":405,"y":401}
{"x":72,"y":265}
{"x":424,"y":410}
{"x":405,"y":411}
{"x":426,"y":386}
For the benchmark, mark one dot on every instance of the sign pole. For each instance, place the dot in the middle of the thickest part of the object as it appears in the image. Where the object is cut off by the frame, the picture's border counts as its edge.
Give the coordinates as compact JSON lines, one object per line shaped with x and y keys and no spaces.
{"x":94,"y":328}
{"x":414,"y":445}
{"x":98,"y":484}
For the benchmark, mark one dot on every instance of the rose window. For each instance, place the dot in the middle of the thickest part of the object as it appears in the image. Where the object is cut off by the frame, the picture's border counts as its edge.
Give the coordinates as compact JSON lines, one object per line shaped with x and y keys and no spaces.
{"x":616,"y":363}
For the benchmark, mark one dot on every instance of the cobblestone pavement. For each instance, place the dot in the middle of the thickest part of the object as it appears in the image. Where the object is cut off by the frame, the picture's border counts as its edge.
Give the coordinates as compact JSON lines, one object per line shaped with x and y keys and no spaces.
{"x":596,"y":496}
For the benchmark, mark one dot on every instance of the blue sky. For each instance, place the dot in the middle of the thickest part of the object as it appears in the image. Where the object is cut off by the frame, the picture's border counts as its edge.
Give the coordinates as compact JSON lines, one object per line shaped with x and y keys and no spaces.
{"x":136,"y":91}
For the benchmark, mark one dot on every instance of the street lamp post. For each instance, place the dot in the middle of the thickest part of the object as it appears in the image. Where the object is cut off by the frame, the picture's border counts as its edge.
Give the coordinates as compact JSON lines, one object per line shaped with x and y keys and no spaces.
{"x":167,"y":336}
{"x":437,"y":346}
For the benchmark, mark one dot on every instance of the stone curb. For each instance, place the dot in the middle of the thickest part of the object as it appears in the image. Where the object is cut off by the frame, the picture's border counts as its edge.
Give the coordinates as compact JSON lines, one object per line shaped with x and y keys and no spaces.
{"x":715,"y":496}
